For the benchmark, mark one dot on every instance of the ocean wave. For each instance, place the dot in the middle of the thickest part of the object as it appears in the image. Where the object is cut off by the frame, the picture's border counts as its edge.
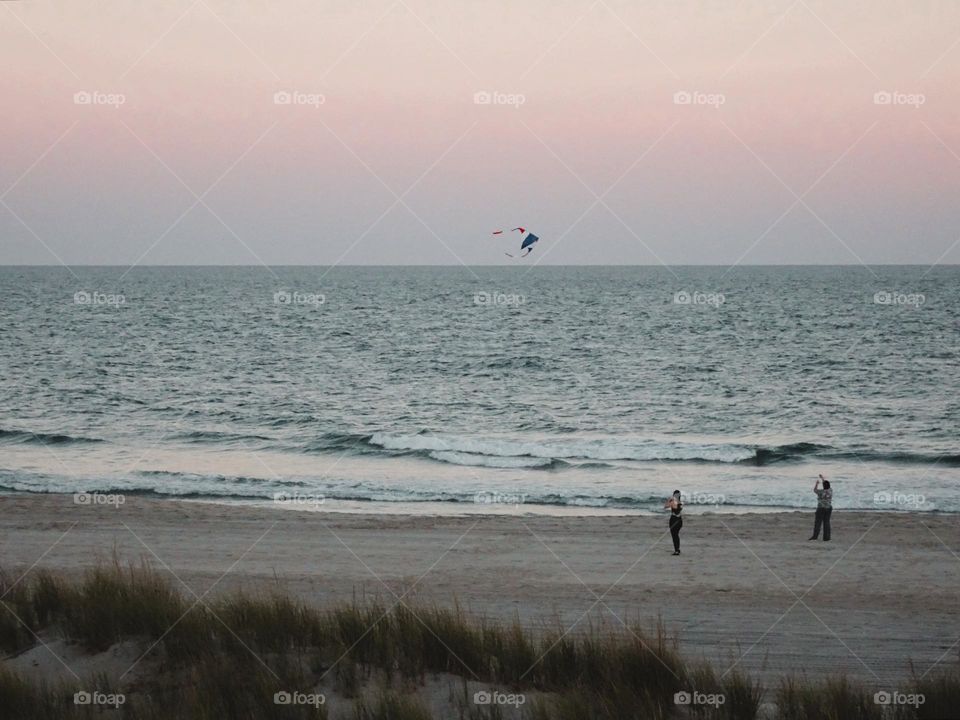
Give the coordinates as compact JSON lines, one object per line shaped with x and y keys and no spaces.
{"x":337,"y":442}
{"x":797,"y":451}
{"x":905,"y":458}
{"x":784,"y":453}
{"x":175,"y":493}
{"x":545,"y":453}
{"x":486,"y":498}
{"x":13,"y":437}
{"x":216,"y":436}
{"x":580,"y":453}
{"x":473,"y":459}
{"x":513,"y":362}
{"x":196,"y":477}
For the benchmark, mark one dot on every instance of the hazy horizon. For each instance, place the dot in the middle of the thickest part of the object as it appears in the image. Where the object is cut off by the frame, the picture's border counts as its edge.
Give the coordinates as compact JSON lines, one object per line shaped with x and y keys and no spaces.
{"x":474,"y":265}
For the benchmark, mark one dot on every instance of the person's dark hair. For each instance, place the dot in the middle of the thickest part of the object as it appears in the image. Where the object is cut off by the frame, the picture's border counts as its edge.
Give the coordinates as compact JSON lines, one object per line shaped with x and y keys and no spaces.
{"x":676,"y":492}
{"x":826,"y":484}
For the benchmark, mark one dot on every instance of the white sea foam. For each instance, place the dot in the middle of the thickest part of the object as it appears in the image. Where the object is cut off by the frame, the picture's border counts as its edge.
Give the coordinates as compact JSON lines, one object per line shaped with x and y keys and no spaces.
{"x":494,"y":461}
{"x":453,"y":447}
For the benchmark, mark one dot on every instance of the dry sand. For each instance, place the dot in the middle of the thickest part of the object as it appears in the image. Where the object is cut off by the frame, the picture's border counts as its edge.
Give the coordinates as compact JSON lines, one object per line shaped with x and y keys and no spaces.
{"x":748,"y":588}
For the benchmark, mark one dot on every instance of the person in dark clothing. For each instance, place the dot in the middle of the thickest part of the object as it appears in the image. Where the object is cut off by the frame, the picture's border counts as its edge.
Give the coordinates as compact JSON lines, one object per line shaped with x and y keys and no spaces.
{"x":676,"y":522}
{"x":824,"y":509}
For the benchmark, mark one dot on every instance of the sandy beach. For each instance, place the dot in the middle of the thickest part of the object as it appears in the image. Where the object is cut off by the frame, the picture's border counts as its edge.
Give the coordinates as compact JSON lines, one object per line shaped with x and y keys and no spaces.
{"x":747,"y":588}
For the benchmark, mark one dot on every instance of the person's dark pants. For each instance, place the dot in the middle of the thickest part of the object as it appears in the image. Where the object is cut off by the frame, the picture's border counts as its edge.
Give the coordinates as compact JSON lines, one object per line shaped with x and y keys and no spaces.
{"x":675,"y":524}
{"x":822,"y":518}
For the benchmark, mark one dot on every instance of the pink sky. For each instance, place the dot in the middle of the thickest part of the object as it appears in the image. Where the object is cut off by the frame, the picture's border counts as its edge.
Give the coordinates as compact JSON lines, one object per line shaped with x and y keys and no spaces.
{"x":307,"y":184}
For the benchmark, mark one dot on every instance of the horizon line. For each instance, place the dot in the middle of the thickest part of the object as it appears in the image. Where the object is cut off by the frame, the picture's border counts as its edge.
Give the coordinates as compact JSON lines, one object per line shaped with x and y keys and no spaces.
{"x":529,"y":266}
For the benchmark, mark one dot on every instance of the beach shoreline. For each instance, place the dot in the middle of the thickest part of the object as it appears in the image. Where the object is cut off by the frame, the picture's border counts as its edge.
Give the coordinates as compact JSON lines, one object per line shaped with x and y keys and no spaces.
{"x":749,"y":590}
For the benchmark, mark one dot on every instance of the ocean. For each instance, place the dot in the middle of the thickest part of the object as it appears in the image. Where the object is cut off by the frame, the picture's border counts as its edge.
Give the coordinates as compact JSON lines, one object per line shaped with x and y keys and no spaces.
{"x":523,"y":389}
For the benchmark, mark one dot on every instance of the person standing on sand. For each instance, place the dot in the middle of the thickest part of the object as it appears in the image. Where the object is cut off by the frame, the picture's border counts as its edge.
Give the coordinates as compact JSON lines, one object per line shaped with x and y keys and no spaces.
{"x":824,"y":509}
{"x":676,"y":522}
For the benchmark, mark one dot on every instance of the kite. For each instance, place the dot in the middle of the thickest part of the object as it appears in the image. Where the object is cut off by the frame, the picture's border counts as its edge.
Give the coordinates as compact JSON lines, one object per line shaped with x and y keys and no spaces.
{"x":526,"y":247}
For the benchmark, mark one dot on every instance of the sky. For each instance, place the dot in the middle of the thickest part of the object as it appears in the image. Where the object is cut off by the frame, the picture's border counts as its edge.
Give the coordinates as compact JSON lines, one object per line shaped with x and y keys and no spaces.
{"x":405,"y":131}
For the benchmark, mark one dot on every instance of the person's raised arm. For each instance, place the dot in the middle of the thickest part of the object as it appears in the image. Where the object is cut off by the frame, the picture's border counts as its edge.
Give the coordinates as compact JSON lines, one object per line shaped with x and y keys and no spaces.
{"x":816,"y":485}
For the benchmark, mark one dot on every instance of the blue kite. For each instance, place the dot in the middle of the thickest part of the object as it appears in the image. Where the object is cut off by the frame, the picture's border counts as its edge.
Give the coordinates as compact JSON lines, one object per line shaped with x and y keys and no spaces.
{"x":526,"y":247}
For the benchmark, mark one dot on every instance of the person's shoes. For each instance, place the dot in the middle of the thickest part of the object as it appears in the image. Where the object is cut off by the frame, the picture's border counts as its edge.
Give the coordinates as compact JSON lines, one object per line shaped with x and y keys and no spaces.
{"x":676,"y":552}
{"x":826,"y":539}
{"x":812,"y":537}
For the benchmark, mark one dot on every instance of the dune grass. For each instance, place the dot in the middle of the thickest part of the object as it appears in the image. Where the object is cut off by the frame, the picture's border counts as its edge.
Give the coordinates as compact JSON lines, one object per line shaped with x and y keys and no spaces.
{"x":391,"y":706}
{"x":230,"y":656}
{"x":834,"y":699}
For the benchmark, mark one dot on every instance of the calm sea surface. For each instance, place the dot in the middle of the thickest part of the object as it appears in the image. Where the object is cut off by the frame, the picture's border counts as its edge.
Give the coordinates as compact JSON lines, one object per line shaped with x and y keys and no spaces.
{"x":530,"y":389}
